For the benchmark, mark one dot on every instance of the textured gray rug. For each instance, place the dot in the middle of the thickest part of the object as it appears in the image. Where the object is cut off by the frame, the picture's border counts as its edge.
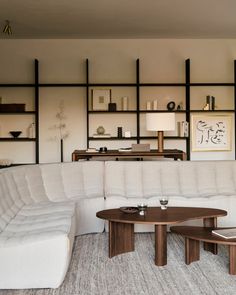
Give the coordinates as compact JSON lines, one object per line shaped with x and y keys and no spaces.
{"x":93,"y":273}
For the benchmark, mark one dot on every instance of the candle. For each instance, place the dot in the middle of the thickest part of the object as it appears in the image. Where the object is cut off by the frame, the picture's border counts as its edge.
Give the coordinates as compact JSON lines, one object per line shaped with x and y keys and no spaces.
{"x":124,"y":103}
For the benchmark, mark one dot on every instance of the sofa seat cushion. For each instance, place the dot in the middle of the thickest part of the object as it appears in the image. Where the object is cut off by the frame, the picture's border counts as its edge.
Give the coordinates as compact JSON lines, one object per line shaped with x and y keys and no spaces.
{"x":32,"y":225}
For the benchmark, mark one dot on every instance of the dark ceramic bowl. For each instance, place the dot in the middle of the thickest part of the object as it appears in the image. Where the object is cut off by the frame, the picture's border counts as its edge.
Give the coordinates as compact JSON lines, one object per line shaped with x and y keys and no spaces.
{"x":15,"y":134}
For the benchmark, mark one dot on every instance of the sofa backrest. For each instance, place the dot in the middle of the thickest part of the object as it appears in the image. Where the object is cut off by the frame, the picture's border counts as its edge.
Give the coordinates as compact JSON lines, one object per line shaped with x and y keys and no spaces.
{"x":174,"y":178}
{"x":10,"y":202}
{"x":73,"y":180}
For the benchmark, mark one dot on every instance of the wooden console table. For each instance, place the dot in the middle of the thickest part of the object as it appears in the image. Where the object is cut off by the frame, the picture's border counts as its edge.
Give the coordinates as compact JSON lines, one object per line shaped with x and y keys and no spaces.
{"x":82,"y":154}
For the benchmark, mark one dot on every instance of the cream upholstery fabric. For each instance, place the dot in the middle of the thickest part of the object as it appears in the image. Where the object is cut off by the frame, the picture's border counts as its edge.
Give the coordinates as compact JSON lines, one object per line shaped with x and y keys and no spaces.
{"x":42,"y":207}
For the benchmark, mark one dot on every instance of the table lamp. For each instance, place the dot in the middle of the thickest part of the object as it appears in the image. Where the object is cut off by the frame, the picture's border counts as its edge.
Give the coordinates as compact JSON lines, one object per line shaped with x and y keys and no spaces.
{"x":160,"y":122}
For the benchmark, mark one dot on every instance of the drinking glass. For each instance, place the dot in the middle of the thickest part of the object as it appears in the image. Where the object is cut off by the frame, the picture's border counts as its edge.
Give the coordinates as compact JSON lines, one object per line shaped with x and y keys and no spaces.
{"x":142,"y":207}
{"x":164,"y":203}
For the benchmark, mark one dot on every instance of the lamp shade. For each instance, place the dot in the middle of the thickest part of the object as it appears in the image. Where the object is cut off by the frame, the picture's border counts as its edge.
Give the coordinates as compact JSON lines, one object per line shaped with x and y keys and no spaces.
{"x":160,"y":121}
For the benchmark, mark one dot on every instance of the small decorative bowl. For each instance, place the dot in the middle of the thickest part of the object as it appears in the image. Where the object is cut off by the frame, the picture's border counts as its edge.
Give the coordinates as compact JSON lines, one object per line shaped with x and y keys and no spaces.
{"x":130,"y":210}
{"x":15,"y":134}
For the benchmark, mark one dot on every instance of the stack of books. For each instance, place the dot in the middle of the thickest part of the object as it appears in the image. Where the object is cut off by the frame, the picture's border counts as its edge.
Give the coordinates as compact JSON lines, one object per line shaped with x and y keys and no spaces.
{"x":102,"y":135}
{"x":229,"y":233}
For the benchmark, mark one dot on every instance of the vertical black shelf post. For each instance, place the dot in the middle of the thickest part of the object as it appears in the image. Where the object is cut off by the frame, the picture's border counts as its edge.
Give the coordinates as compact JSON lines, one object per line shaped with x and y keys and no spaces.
{"x":187,"y":103}
{"x":36,"y":102}
{"x":138,"y":100}
{"x":87,"y":100}
{"x":235,"y":106}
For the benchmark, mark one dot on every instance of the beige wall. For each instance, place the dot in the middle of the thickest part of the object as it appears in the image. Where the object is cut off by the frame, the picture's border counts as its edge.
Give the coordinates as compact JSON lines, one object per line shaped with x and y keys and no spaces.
{"x":161,"y":60}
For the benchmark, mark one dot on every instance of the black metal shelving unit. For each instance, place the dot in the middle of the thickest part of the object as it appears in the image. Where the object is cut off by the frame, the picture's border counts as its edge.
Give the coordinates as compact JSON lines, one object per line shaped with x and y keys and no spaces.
{"x":137,"y":85}
{"x":35,"y":112}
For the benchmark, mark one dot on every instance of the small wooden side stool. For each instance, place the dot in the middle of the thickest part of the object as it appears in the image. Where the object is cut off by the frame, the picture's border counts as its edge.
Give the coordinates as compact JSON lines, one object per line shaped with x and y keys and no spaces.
{"x":194,"y":234}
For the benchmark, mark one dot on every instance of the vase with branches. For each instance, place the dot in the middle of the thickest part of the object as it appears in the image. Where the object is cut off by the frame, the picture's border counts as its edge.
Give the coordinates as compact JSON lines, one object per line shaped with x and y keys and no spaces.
{"x":60,"y":127}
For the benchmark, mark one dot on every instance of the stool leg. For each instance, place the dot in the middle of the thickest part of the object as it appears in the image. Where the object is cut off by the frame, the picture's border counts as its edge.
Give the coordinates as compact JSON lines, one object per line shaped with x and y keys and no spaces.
{"x":232,"y":260}
{"x":192,"y":250}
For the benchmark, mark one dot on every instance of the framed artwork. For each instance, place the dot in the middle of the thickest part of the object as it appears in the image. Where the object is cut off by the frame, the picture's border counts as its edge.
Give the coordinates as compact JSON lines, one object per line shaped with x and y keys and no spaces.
{"x":100,"y":99}
{"x":211,"y":132}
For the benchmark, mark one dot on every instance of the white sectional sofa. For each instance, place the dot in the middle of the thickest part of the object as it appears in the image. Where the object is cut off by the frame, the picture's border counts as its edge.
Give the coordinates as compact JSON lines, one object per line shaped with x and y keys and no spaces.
{"x":42,"y":207}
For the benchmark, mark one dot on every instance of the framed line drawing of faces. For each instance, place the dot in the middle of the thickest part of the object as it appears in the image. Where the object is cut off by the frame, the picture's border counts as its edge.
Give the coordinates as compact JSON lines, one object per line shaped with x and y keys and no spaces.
{"x":211,"y":133}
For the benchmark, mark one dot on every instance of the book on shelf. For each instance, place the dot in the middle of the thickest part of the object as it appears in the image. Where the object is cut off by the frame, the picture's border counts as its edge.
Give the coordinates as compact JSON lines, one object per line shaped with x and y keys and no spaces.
{"x":229,"y":233}
{"x":124,"y":149}
{"x":102,"y":135}
{"x":91,"y":150}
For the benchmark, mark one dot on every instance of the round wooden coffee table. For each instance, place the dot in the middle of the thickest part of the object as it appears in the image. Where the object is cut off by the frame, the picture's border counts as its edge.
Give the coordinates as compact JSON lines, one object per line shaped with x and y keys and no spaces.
{"x":121,"y":227}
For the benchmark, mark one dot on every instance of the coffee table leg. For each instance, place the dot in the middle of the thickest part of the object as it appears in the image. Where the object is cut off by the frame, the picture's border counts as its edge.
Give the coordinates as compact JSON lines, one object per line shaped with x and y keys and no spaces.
{"x":121,"y":238}
{"x":160,"y":245}
{"x":232,"y":260}
{"x":192,"y":250}
{"x":211,"y":247}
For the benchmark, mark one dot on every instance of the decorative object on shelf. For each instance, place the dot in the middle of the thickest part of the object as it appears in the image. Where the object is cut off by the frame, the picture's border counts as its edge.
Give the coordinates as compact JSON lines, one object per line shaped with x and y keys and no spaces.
{"x":12,"y":107}
{"x":127,"y":134}
{"x":5,"y":162}
{"x":142,"y":207}
{"x":183,"y":129}
{"x":7,"y":30}
{"x":149,"y":106}
{"x":206,"y":107}
{"x":154,"y":105}
{"x":125,"y":105}
{"x":112,"y":107}
{"x":210,"y":100}
{"x":15,"y":134}
{"x":211,"y":132}
{"x":140,"y":147}
{"x":60,"y":127}
{"x":103,"y":149}
{"x":171,"y":106}
{"x":180,"y":106}
{"x":160,"y":122}
{"x":31,"y":131}
{"x":119,"y":132}
{"x":100,"y":99}
{"x":101,"y":130}
{"x":0,"y":100}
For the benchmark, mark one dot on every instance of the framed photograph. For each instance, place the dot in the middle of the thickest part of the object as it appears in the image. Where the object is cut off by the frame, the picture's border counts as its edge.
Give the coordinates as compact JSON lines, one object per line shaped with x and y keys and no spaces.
{"x":211,"y":132}
{"x":100,"y":99}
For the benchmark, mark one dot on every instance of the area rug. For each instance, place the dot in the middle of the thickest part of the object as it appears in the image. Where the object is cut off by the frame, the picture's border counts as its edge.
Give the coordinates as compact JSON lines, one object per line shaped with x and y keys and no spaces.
{"x":91,"y":272}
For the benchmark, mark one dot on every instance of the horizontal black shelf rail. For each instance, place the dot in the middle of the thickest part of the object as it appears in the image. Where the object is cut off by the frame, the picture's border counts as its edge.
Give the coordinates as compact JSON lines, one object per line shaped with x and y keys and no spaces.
{"x":112,"y":112}
{"x":62,"y":84}
{"x":112,"y":84}
{"x":165,"y":137}
{"x":17,"y":139}
{"x":162,"y":111}
{"x":211,"y":84}
{"x":162,"y":84}
{"x":113,"y":138}
{"x":17,"y":85}
{"x":18,"y":113}
{"x":211,"y":111}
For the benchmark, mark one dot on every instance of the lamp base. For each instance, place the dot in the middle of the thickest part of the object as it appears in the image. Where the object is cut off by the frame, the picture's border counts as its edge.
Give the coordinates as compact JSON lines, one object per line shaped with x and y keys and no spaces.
{"x":160,"y":141}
